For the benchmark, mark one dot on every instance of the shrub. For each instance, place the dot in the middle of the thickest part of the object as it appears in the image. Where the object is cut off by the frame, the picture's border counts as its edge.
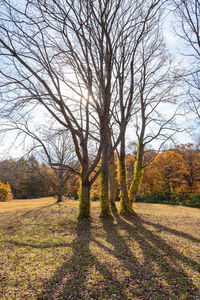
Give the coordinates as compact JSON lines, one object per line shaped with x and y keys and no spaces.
{"x":5,"y":192}
{"x":164,"y":198}
{"x":193,"y":202}
{"x":171,"y":199}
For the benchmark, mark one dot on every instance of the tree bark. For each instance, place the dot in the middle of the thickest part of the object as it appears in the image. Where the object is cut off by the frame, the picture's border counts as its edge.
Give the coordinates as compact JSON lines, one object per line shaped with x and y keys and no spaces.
{"x":60,"y":198}
{"x":60,"y":187}
{"x":138,"y":174}
{"x":84,"y":196}
{"x":104,"y":195}
{"x":113,"y":183}
{"x":124,"y":199}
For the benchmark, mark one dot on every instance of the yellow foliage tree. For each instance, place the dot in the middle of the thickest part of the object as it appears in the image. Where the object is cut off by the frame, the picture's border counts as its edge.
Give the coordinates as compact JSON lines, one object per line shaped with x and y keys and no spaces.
{"x":191,"y":157}
{"x":166,"y":172}
{"x":5,"y":192}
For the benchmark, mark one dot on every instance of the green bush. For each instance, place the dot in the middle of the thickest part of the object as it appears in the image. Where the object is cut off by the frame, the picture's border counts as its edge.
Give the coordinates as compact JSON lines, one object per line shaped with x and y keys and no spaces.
{"x":171,"y":199}
{"x":164,"y":198}
{"x":193,"y":202}
{"x":5,"y":192}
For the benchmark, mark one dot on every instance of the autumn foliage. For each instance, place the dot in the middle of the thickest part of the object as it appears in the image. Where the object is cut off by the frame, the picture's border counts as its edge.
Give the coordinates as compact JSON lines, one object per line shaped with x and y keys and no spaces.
{"x":173,"y":171}
{"x":5,"y":192}
{"x":167,"y":175}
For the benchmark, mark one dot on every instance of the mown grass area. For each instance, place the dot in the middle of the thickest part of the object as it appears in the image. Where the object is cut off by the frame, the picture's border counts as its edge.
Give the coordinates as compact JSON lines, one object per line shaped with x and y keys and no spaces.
{"x":46,"y":253}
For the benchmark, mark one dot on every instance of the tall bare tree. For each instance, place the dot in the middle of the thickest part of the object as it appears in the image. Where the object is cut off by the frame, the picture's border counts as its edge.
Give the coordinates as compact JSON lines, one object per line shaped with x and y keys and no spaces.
{"x":62,"y":55}
{"x":55,"y":148}
{"x":187,"y":14}
{"x":157,"y":103}
{"x":51,"y":145}
{"x":37,"y":69}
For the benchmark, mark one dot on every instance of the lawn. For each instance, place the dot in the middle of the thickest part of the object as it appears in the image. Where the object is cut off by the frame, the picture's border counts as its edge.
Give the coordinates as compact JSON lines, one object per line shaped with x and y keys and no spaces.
{"x":46,"y":253}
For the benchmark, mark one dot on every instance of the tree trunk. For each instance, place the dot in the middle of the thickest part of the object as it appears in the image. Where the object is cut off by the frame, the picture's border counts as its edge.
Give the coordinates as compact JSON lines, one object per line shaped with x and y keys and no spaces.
{"x":113,"y":183}
{"x":60,"y":198}
{"x":106,"y":140}
{"x":124,"y":199}
{"x":61,"y":186}
{"x":84,"y":196}
{"x":104,"y":195}
{"x":138,"y":174}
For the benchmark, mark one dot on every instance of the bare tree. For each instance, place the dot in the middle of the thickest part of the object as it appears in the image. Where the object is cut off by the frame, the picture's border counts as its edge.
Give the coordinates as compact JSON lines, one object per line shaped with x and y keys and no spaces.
{"x":62,"y":55}
{"x":157,"y":102}
{"x":187,"y":14}
{"x":37,"y":69}
{"x":57,"y":151}
{"x":133,"y":54}
{"x":50,"y":145}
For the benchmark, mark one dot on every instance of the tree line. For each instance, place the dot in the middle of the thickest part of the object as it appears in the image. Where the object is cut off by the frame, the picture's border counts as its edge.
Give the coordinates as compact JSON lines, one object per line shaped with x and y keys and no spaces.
{"x":170,"y":176}
{"x":96,"y":68}
{"x":28,"y":178}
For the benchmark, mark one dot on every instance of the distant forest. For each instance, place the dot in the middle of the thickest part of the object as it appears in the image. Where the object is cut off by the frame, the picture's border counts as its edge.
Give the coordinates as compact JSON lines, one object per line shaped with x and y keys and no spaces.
{"x":171,"y":176}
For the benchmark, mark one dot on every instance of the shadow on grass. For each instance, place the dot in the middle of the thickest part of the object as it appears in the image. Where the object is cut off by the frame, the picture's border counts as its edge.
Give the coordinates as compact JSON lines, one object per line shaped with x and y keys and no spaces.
{"x":159,"y":274}
{"x":30,"y":211}
{"x":70,"y":281}
{"x":160,"y":243}
{"x":41,"y":246}
{"x":36,"y":211}
{"x":157,"y":271}
{"x":142,"y":274}
{"x":15,"y":221}
{"x":160,"y":228}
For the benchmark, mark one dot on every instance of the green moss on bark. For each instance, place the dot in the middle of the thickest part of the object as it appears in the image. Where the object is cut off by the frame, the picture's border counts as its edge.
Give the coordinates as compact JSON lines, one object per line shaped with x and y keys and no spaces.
{"x":124,"y":201}
{"x":104,"y":201}
{"x":84,"y":199}
{"x":112,"y":184}
{"x":138,"y":176}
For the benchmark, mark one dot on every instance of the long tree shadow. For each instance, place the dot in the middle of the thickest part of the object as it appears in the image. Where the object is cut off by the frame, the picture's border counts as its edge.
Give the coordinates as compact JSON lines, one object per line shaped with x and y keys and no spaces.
{"x":36,"y":211}
{"x":70,"y":280}
{"x":159,"y":272}
{"x":159,"y":242}
{"x":32,"y":215}
{"x":170,"y":230}
{"x":40,"y":246}
{"x":142,"y":276}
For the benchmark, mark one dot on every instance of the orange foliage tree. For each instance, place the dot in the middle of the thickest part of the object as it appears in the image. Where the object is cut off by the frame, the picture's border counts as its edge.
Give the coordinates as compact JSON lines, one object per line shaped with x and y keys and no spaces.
{"x":165,"y":173}
{"x":191,"y":157}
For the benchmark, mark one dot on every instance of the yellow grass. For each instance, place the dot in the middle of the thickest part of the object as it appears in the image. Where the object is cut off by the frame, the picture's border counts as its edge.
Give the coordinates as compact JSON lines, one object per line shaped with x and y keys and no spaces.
{"x":46,"y":253}
{"x":152,"y":209}
{"x":15,"y":205}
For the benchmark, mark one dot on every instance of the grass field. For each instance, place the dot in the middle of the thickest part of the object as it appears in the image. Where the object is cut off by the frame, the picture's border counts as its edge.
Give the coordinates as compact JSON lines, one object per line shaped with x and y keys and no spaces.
{"x":46,"y":253}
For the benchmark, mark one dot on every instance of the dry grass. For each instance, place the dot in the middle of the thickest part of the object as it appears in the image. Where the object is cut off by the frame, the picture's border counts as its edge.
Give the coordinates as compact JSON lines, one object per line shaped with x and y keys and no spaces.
{"x":45,"y":253}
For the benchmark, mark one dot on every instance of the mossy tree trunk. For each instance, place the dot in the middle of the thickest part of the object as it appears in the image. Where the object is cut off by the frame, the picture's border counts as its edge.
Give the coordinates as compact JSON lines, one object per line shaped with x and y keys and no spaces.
{"x":112,"y":183}
{"x":84,"y":184}
{"x":138,"y":174}
{"x":84,"y":195}
{"x":122,"y":178}
{"x":104,"y":194}
{"x":138,"y":166}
